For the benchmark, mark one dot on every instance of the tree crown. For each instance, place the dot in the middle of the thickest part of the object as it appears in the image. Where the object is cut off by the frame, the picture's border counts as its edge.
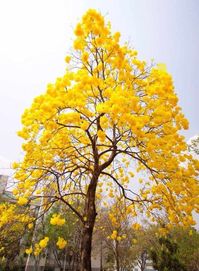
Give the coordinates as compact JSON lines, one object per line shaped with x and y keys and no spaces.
{"x":109,"y":116}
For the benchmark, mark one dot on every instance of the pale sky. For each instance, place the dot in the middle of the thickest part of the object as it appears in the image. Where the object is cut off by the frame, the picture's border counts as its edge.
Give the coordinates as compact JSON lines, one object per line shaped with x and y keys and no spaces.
{"x":35,"y":36}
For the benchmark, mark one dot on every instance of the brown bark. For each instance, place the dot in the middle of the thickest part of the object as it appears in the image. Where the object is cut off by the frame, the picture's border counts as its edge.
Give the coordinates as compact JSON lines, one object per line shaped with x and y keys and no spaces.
{"x":86,"y":244}
{"x":87,"y":232}
{"x":117,"y":256}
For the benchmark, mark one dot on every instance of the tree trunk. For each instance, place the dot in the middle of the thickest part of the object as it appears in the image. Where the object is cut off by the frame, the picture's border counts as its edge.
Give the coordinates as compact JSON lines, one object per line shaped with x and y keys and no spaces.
{"x":143,"y":260}
{"x":117,"y":256}
{"x":87,"y":232}
{"x":101,"y":258}
{"x":86,"y":244}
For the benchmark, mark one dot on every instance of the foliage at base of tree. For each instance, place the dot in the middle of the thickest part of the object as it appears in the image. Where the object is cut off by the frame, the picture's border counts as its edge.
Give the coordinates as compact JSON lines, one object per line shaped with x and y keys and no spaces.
{"x":14,"y":221}
{"x":166,"y":259}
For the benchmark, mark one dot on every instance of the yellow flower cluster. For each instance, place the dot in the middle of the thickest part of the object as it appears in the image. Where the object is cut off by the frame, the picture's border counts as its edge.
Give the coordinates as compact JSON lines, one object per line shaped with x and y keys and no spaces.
{"x":13,"y":222}
{"x":136,"y":226}
{"x":61,"y":243}
{"x":38,"y":247}
{"x":22,"y":201}
{"x":10,"y":214}
{"x":28,"y":250}
{"x":115,"y":236}
{"x":57,"y":220}
{"x":44,"y":242}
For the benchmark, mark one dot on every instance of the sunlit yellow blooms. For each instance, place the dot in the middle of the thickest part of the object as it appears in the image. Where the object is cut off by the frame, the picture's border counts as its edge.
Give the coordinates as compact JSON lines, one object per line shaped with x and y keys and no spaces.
{"x":111,"y":195}
{"x":78,"y":30}
{"x":117,"y":36}
{"x":61,"y":243}
{"x":185,"y":124}
{"x":57,"y":220}
{"x":119,"y":238}
{"x":67,"y":59}
{"x":113,"y":219}
{"x":30,"y":226}
{"x":22,"y":201}
{"x":101,"y":135}
{"x":114,"y":235}
{"x":163,"y":231}
{"x":15,"y":165}
{"x":131,"y":174}
{"x":28,"y":250}
{"x":13,"y":223}
{"x":38,"y":192}
{"x":78,"y":44}
{"x":136,"y":226}
{"x":15,"y":191}
{"x":85,"y":57}
{"x":24,"y":134}
{"x":84,"y":125}
{"x":37,"y":249}
{"x":44,"y":242}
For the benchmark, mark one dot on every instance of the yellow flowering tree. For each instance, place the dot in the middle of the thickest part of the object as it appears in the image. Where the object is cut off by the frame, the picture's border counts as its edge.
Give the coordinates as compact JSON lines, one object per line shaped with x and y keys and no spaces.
{"x":114,"y":235}
{"x":13,"y":224}
{"x":109,"y":114}
{"x":63,"y":232}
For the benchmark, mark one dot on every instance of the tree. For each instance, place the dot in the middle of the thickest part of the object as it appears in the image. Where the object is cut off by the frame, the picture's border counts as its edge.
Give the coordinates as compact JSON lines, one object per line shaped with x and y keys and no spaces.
{"x":166,"y":259}
{"x":108,"y":114}
{"x":145,"y":239}
{"x":115,"y":233}
{"x":194,"y":145}
{"x":188,"y":246}
{"x":176,"y":250}
{"x":14,"y":221}
{"x":68,"y":257}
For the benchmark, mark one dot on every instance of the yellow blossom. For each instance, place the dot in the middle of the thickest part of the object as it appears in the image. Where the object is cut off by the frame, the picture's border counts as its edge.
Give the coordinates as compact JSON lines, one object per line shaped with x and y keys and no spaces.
{"x":44,"y":242}
{"x":136,"y":226}
{"x":67,"y":59}
{"x":22,"y":201}
{"x":30,"y":226}
{"x":57,"y":220}
{"x":61,"y":243}
{"x":28,"y":250}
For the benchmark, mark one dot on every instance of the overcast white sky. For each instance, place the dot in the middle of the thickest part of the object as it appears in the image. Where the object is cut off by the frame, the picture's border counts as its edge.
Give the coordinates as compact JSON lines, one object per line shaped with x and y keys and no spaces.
{"x":35,"y":36}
